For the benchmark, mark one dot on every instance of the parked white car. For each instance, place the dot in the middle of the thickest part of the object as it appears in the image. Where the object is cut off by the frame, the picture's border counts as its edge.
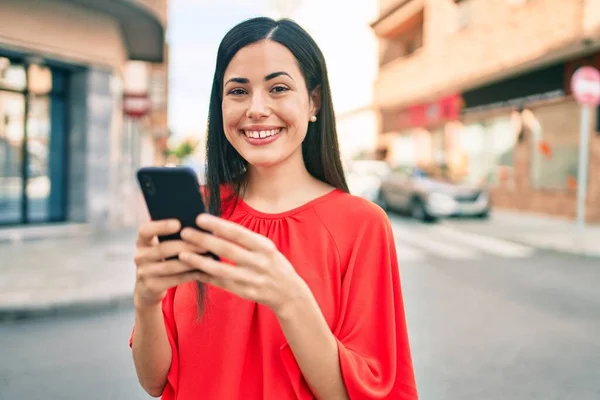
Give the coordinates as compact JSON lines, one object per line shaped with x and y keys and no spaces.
{"x":429,"y":197}
{"x":364,"y":177}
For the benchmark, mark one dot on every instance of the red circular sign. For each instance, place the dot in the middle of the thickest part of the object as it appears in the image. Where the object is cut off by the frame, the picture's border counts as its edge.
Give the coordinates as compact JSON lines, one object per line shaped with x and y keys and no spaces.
{"x":585,"y":85}
{"x":136,"y":105}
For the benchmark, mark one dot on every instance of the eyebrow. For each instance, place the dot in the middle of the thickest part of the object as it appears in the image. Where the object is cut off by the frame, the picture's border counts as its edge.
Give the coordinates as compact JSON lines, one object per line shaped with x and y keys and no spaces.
{"x":272,"y":75}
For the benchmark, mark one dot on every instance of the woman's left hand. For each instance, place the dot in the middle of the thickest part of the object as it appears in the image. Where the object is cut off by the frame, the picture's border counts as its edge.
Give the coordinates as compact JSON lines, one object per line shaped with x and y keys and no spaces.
{"x":261,"y":273}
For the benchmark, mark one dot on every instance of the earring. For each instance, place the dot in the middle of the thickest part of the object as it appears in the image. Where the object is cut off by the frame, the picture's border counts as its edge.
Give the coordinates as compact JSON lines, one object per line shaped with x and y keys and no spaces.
{"x":313,"y":118}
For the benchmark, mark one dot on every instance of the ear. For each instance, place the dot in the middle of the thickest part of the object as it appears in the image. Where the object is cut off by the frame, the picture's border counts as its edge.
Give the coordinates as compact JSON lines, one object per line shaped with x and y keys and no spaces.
{"x":315,"y":101}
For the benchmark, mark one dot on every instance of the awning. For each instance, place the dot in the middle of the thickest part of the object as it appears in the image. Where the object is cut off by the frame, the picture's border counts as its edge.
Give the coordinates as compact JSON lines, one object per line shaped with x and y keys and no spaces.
{"x":142,"y":25}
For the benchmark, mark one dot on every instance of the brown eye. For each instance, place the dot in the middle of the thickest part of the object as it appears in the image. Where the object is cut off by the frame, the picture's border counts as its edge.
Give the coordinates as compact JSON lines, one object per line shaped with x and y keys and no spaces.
{"x":280,"y":89}
{"x":237,"y":92}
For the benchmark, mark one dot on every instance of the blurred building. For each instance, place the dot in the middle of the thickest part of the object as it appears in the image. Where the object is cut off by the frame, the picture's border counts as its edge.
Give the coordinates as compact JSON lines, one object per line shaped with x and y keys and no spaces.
{"x":357,"y":132}
{"x":83,"y":88}
{"x":483,"y":87}
{"x":356,"y":118}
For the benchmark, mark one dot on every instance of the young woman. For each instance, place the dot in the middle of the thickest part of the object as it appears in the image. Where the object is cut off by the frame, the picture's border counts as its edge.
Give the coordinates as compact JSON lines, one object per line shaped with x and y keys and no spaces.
{"x":305,"y":301}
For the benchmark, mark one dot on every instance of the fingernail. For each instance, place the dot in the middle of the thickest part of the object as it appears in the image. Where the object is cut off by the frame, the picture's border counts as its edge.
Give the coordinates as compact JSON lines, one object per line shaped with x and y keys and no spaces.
{"x":173,"y":224}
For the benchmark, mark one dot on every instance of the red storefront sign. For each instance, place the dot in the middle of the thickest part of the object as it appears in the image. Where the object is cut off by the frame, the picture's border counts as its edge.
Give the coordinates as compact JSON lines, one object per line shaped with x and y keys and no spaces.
{"x":424,"y":115}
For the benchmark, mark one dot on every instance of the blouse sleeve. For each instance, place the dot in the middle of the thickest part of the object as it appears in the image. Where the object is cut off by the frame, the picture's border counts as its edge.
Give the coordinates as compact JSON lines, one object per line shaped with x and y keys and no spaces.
{"x":371,"y":331}
{"x":168,"y":315}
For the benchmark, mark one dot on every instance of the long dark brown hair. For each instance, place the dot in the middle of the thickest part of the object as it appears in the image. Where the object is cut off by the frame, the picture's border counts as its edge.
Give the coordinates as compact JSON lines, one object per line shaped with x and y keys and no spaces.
{"x":320,"y":149}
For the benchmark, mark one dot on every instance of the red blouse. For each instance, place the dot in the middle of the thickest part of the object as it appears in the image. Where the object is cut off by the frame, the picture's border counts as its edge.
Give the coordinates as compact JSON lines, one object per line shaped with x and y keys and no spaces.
{"x":343,"y":247}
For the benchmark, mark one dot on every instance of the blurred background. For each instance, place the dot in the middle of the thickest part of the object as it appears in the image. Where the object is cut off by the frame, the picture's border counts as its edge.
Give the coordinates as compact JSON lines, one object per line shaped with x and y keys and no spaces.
{"x":461,"y":118}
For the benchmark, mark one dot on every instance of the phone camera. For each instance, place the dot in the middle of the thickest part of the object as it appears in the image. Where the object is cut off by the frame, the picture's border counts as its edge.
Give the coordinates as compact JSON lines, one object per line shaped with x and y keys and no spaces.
{"x":148,"y":185}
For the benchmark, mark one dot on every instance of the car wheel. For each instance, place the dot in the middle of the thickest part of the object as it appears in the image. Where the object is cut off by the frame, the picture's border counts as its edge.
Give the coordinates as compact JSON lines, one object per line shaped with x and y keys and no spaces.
{"x":418,"y":211}
{"x":484,"y":215}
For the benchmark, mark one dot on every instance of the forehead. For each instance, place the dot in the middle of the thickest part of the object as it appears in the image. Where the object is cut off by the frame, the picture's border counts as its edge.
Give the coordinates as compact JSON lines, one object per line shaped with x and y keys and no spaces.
{"x":260,"y":59}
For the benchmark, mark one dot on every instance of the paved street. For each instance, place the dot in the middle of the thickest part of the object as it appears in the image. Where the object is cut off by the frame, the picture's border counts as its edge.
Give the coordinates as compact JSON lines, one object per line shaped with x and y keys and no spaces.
{"x":490,"y":326}
{"x":68,"y":358}
{"x":489,"y":320}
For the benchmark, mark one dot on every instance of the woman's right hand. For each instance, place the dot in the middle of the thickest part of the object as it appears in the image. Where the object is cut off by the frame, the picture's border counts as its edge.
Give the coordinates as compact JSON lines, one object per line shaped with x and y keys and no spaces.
{"x":154,"y":272}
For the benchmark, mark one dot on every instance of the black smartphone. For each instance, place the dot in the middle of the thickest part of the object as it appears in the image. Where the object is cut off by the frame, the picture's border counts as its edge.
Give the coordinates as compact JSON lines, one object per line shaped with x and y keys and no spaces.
{"x":172,"y":193}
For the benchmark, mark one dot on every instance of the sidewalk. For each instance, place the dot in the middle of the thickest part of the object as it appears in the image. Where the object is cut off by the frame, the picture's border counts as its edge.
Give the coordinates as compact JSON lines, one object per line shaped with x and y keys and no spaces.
{"x":538,"y":231}
{"x":71,"y":273}
{"x":82,"y":271}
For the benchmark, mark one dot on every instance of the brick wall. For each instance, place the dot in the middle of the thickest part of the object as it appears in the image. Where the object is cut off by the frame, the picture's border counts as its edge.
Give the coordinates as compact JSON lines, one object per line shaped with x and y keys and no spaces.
{"x":499,"y":38}
{"x":593,"y":204}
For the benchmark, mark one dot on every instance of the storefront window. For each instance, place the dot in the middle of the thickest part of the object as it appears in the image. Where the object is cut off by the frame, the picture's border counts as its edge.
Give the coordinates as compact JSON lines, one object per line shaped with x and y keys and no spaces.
{"x":12,"y":75}
{"x":38,"y":182}
{"x":502,"y":142}
{"x":11,"y":156}
{"x":472,"y":146}
{"x":32,"y":147}
{"x":555,"y":156}
{"x":488,"y":147}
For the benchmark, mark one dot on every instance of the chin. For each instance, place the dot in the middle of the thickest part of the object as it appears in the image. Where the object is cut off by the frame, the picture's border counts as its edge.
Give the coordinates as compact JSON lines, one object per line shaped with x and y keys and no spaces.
{"x":263,"y":162}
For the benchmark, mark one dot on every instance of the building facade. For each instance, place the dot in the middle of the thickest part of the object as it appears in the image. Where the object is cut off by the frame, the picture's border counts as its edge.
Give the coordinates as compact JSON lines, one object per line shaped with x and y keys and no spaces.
{"x":67,"y":148}
{"x":483,"y":87}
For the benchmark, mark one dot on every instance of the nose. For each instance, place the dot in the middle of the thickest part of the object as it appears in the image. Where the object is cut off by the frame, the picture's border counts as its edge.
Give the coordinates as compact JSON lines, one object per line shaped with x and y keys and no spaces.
{"x":258,"y":107}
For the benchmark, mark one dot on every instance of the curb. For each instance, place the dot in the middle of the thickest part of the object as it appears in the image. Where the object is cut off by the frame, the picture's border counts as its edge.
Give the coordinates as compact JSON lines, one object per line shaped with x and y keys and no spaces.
{"x":21,"y":312}
{"x":25,"y":234}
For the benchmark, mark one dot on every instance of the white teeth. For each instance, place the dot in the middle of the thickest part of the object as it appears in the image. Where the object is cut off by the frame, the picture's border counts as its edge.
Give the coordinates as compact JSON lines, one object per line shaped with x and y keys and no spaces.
{"x":262,"y":134}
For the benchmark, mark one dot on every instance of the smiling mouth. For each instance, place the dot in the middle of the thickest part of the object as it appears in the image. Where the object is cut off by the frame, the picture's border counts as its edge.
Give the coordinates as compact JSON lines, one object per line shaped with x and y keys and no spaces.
{"x":261,"y":134}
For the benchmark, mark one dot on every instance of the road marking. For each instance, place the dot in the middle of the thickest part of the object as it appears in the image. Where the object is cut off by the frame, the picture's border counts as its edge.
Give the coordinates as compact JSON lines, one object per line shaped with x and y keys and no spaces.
{"x":488,"y":244}
{"x":408,"y":253}
{"x":441,"y":249}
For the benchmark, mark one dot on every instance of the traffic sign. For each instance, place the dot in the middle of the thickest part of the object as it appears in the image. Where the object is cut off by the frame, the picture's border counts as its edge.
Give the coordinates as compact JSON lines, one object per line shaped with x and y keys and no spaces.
{"x":585,"y":85}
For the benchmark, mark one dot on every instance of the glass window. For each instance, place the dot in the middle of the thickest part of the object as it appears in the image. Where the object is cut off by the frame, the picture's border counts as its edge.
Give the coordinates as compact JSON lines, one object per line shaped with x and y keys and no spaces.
{"x":38,"y":139}
{"x":39,"y":80}
{"x":486,"y":151}
{"x":36,"y":181}
{"x":554,"y":159}
{"x":12,"y":107}
{"x":12,"y":75}
{"x":502,"y":142}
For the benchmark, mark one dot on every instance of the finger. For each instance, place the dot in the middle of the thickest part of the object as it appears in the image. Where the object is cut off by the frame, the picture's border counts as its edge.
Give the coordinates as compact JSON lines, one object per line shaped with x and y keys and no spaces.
{"x":216,"y":269}
{"x":166,"y":282}
{"x":148,"y":231}
{"x":218,"y":246}
{"x":164,"y":250}
{"x":250,"y":289}
{"x":161,"y":269}
{"x":235,"y":233}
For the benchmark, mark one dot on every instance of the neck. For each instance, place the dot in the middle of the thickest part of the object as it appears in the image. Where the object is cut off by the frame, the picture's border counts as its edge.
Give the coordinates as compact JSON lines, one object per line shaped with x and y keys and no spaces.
{"x":276,"y":183}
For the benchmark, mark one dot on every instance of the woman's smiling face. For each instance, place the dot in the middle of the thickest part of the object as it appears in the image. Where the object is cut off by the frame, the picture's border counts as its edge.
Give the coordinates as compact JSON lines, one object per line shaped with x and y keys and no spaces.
{"x":266,"y":106}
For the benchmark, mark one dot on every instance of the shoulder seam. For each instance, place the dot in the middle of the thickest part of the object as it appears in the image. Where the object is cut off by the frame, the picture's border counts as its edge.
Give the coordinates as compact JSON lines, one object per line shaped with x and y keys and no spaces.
{"x":337,"y":249}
